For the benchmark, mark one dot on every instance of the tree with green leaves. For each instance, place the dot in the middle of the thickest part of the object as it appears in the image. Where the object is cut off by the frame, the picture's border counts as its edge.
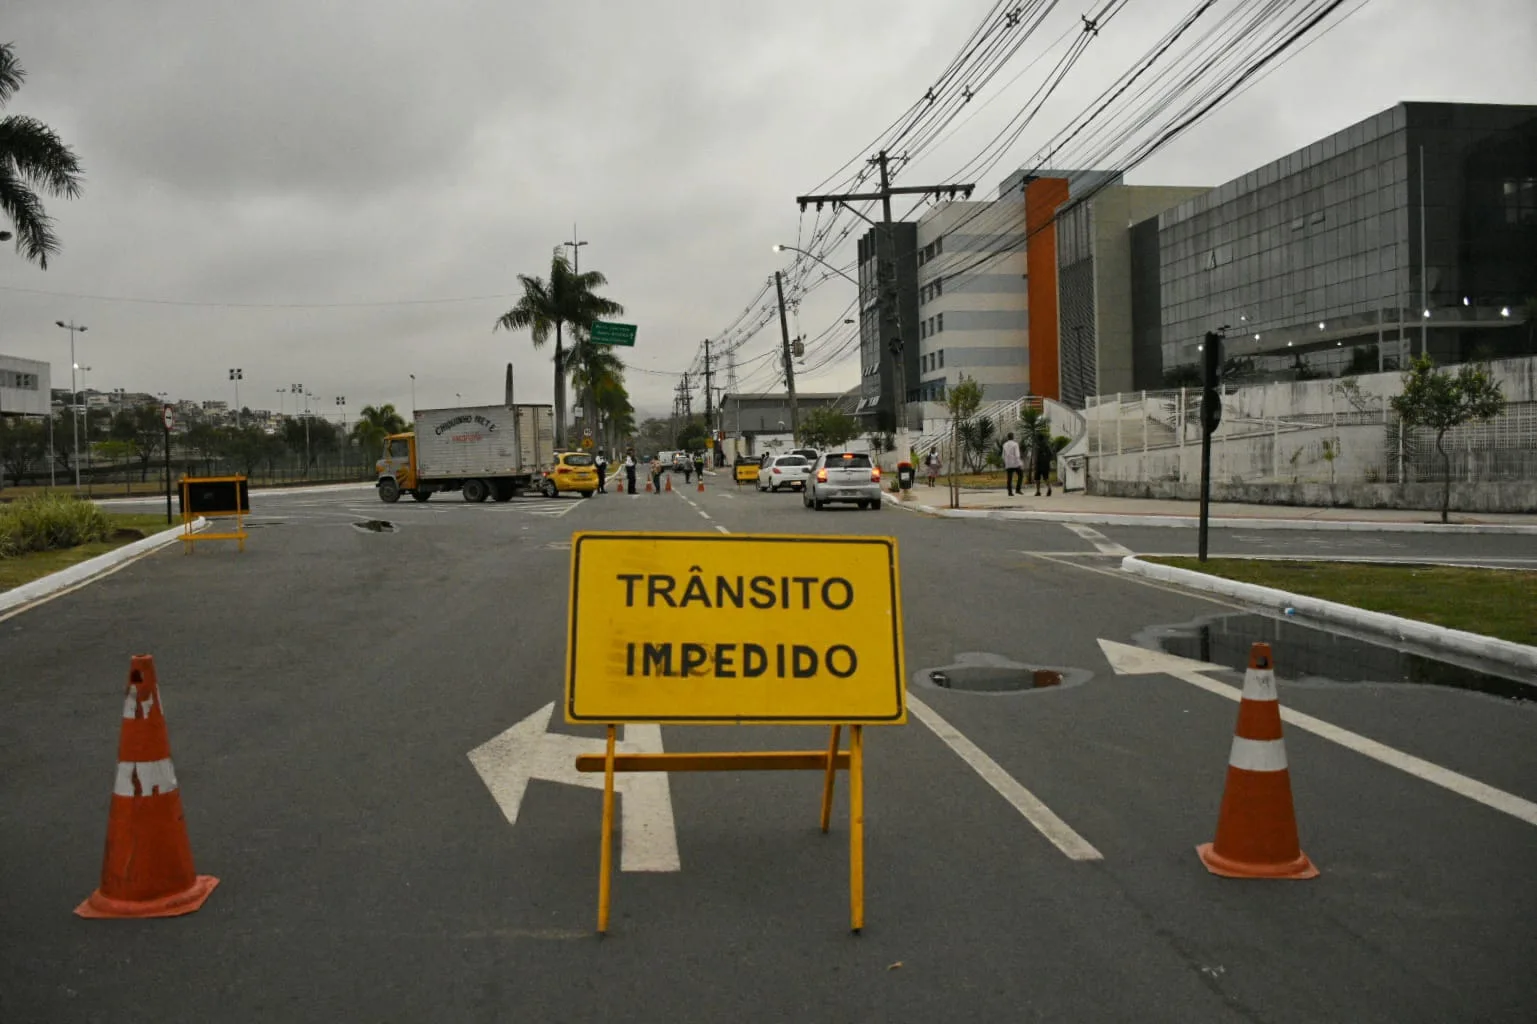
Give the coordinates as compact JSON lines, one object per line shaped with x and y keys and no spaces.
{"x":963,"y":401}
{"x":826,"y":428}
{"x":1034,"y":431}
{"x":976,"y":438}
{"x":22,"y":443}
{"x":692,"y":437}
{"x":593,"y":367}
{"x":1440,"y":401}
{"x":567,"y":300}
{"x":33,"y":159}
{"x":144,"y":430}
{"x":375,"y":423}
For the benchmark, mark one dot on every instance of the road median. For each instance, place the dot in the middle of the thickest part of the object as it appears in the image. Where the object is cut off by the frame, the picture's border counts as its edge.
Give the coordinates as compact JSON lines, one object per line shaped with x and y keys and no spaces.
{"x":1494,"y":599}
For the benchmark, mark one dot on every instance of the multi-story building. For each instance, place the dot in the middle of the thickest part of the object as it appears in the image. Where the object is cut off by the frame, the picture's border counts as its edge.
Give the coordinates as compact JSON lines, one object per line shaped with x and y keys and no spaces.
{"x":1414,"y":230}
{"x":888,"y":363}
{"x":1094,"y":259}
{"x":972,"y":315}
{"x":24,"y":387}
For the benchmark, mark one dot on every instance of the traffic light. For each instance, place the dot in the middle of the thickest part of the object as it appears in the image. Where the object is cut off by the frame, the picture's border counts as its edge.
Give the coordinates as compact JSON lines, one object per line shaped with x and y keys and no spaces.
{"x":1211,"y":378}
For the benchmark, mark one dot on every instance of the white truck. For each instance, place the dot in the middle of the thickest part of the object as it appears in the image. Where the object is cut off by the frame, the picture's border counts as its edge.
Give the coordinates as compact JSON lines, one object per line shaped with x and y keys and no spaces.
{"x":482,"y":451}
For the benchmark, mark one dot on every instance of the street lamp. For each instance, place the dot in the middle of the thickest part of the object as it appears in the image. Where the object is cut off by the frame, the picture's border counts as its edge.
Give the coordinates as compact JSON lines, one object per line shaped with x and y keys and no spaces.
{"x":814,"y":256}
{"x":74,"y":396}
{"x":413,"y":396}
{"x":237,"y":375}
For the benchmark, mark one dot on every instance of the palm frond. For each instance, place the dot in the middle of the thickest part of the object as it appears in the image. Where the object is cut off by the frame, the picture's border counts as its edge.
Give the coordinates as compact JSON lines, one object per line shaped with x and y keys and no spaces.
{"x":35,"y":154}
{"x":11,"y":73}
{"x":34,"y":228}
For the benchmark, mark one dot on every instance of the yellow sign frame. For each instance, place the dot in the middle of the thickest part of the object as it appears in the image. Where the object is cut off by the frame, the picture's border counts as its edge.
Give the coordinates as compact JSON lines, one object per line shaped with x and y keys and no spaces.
{"x":189,"y":539}
{"x":829,"y":762}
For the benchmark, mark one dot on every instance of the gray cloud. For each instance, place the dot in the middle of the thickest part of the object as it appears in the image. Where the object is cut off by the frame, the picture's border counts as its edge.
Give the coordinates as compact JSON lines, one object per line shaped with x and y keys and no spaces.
{"x":282,"y":151}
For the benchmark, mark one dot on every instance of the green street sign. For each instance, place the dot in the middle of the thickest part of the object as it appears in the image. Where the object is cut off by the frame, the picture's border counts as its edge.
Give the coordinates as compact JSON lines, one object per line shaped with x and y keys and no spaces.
{"x":605,"y":333}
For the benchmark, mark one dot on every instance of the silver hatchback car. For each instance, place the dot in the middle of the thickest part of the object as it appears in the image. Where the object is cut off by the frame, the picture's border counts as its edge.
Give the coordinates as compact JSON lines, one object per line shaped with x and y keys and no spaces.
{"x":844,"y":476}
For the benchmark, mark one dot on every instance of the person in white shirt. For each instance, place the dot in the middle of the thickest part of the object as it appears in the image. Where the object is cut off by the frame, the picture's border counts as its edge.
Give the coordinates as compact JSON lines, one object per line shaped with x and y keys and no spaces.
{"x":1013,"y":467}
{"x":629,"y":470}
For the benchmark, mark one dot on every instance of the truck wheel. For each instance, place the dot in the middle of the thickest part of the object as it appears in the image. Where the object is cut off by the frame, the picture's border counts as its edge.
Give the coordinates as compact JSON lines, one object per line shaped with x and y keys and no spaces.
{"x":389,"y":491}
{"x":588,"y":494}
{"x":421,"y":495}
{"x":475,"y":490}
{"x":549,"y":488}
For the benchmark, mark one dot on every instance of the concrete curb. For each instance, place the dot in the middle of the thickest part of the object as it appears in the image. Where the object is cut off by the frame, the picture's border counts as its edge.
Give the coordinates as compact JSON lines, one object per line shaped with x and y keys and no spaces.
{"x":1189,"y":522}
{"x":82,"y":572}
{"x":256,"y":492}
{"x":1392,"y":627}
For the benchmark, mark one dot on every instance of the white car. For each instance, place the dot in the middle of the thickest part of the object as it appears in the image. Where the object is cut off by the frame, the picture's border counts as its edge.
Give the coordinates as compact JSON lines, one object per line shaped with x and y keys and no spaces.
{"x":844,"y":476}
{"x":784,"y":471}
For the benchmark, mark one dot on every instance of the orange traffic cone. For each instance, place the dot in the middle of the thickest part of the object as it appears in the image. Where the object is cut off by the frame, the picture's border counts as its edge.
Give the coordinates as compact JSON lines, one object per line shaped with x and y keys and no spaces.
{"x":1257,"y":826}
{"x":147,"y":868}
{"x":701,"y":485}
{"x":669,"y":483}
{"x":619,"y":486}
{"x":648,"y":487}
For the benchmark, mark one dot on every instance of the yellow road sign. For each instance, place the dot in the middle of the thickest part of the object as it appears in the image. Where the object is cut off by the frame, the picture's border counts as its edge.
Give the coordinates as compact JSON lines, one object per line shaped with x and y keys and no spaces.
{"x":709,"y":442}
{"x":714,"y":629}
{"x":586,"y":442}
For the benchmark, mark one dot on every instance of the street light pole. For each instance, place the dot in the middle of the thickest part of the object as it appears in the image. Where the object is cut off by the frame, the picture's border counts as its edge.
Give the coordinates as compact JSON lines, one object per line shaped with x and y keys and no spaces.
{"x":576,"y":250}
{"x":74,"y":396}
{"x":236,"y":375}
{"x":814,"y":256}
{"x":413,"y":396}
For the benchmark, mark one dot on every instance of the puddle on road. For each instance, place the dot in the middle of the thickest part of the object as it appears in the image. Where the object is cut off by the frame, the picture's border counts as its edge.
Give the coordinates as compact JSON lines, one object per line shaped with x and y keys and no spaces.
{"x":978,"y":672}
{"x":1306,"y":654}
{"x":375,"y":526}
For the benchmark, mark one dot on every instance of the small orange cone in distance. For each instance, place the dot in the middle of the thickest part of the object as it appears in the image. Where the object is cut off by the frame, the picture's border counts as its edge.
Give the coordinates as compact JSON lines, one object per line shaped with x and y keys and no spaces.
{"x":1257,"y":826}
{"x":619,"y":485}
{"x":669,"y":483}
{"x":147,"y":869}
{"x":701,"y":485}
{"x":648,"y":487}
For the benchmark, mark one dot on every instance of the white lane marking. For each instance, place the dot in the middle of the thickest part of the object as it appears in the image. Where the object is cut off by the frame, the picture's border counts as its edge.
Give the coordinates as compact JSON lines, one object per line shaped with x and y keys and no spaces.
{"x":1045,"y":820}
{"x":703,"y":513}
{"x":1021,"y":799}
{"x":1104,"y":545}
{"x":648,"y":837}
{"x":1148,"y":662}
{"x":1258,"y":755}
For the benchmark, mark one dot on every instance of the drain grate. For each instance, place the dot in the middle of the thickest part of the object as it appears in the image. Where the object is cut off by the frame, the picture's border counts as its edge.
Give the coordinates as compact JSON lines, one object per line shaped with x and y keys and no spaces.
{"x":979,"y":672}
{"x":375,"y":526}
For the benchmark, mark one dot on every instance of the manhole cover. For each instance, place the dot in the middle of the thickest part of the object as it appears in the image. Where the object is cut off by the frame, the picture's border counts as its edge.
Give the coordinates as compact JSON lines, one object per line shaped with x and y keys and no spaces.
{"x":977,"y":672}
{"x":375,"y":526}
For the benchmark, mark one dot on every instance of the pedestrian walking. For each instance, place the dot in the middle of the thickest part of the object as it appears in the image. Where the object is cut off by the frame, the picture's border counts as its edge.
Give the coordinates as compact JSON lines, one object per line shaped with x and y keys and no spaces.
{"x":629,"y":470}
{"x":688,"y":469}
{"x":699,"y":465}
{"x":656,"y":473}
{"x":602,"y":464}
{"x":1013,"y":467}
{"x":931,"y":465}
{"x":1043,"y":459}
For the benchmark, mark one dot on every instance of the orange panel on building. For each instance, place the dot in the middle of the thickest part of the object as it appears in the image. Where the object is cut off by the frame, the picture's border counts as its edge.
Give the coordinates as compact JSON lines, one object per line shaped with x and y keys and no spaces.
{"x":1043,"y":197}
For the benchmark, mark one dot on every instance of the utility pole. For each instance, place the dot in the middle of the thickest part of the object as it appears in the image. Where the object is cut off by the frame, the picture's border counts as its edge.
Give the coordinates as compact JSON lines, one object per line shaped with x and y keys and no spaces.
{"x":886,"y":262}
{"x":709,"y":405}
{"x":784,"y":334}
{"x":576,"y":250}
{"x":74,"y":396}
{"x":1211,"y":417}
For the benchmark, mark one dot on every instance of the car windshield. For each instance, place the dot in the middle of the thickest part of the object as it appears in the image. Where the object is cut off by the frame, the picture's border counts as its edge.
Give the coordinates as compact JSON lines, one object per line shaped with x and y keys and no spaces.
{"x":848,"y":460}
{"x":790,"y":460}
{"x":578,"y":460}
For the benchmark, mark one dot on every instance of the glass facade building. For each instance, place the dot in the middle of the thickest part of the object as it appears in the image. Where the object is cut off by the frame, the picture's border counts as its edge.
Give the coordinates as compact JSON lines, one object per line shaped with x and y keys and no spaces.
{"x":1413,"y":230}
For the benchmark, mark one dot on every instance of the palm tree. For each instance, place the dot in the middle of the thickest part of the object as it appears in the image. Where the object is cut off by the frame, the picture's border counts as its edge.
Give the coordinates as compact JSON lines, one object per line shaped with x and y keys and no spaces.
{"x":567,"y":299}
{"x":375,"y":423}
{"x":613,"y":402}
{"x":32,"y":159}
{"x":591,"y":366}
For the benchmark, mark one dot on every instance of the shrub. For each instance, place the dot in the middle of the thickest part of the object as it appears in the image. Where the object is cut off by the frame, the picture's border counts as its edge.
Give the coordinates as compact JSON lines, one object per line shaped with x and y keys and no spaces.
{"x":47,"y":522}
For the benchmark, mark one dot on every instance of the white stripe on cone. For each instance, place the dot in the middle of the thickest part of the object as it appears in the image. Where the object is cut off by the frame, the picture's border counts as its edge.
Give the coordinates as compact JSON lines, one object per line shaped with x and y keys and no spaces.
{"x":1258,"y":755}
{"x":1259,"y":684}
{"x":144,"y":778}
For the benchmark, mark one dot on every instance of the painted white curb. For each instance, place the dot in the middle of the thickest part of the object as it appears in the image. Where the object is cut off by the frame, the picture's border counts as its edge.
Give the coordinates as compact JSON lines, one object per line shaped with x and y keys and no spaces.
{"x":256,"y":492}
{"x":1191,"y":522}
{"x":82,"y":571}
{"x":1503,"y":652}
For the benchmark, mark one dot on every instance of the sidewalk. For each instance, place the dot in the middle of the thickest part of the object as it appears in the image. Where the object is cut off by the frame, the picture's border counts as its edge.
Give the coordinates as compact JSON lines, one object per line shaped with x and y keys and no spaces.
{"x":1089,"y":508}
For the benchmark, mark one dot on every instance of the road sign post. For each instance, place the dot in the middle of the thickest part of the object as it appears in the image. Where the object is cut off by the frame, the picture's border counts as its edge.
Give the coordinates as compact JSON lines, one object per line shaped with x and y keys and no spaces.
{"x":690,"y":635}
{"x":168,"y":418}
{"x":607,"y":333}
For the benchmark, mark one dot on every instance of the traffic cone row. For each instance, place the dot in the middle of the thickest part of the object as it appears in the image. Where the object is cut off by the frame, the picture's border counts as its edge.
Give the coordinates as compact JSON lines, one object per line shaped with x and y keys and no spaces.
{"x":1257,"y":825}
{"x":147,"y":867}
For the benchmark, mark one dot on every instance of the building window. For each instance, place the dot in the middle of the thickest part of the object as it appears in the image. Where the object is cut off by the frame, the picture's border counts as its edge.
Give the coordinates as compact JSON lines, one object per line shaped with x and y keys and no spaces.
{"x":941,"y":355}
{"x":939,"y":322}
{"x":938,"y":286}
{"x":923,"y":329}
{"x":1519,"y":196}
{"x":18,"y":381}
{"x":939,"y":245}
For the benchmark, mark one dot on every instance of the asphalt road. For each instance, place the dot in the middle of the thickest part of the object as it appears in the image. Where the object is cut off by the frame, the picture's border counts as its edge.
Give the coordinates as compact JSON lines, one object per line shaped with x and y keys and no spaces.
{"x":325,"y":688}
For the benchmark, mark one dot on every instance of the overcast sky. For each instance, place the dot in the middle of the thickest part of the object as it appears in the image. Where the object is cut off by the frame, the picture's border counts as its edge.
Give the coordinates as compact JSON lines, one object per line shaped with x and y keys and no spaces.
{"x":291,"y":153}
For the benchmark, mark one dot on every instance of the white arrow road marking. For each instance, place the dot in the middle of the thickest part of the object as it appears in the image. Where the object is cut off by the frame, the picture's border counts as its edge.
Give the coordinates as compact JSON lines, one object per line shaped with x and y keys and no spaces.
{"x":1126,"y":660}
{"x":1104,"y":545}
{"x":528,"y":750}
{"x":1021,"y":799}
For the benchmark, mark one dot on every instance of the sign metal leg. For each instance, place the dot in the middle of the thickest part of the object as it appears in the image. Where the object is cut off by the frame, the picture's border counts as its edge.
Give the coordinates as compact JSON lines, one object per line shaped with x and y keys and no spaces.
{"x":831,"y":775}
{"x":606,"y":857}
{"x":856,"y":828}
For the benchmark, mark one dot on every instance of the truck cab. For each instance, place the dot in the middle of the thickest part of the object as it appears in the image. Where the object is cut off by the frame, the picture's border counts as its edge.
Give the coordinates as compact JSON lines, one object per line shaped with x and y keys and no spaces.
{"x":397,"y":469}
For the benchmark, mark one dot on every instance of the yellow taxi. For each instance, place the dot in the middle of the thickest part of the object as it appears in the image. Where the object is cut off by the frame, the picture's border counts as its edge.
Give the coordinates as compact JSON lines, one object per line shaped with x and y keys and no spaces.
{"x":573,"y":471}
